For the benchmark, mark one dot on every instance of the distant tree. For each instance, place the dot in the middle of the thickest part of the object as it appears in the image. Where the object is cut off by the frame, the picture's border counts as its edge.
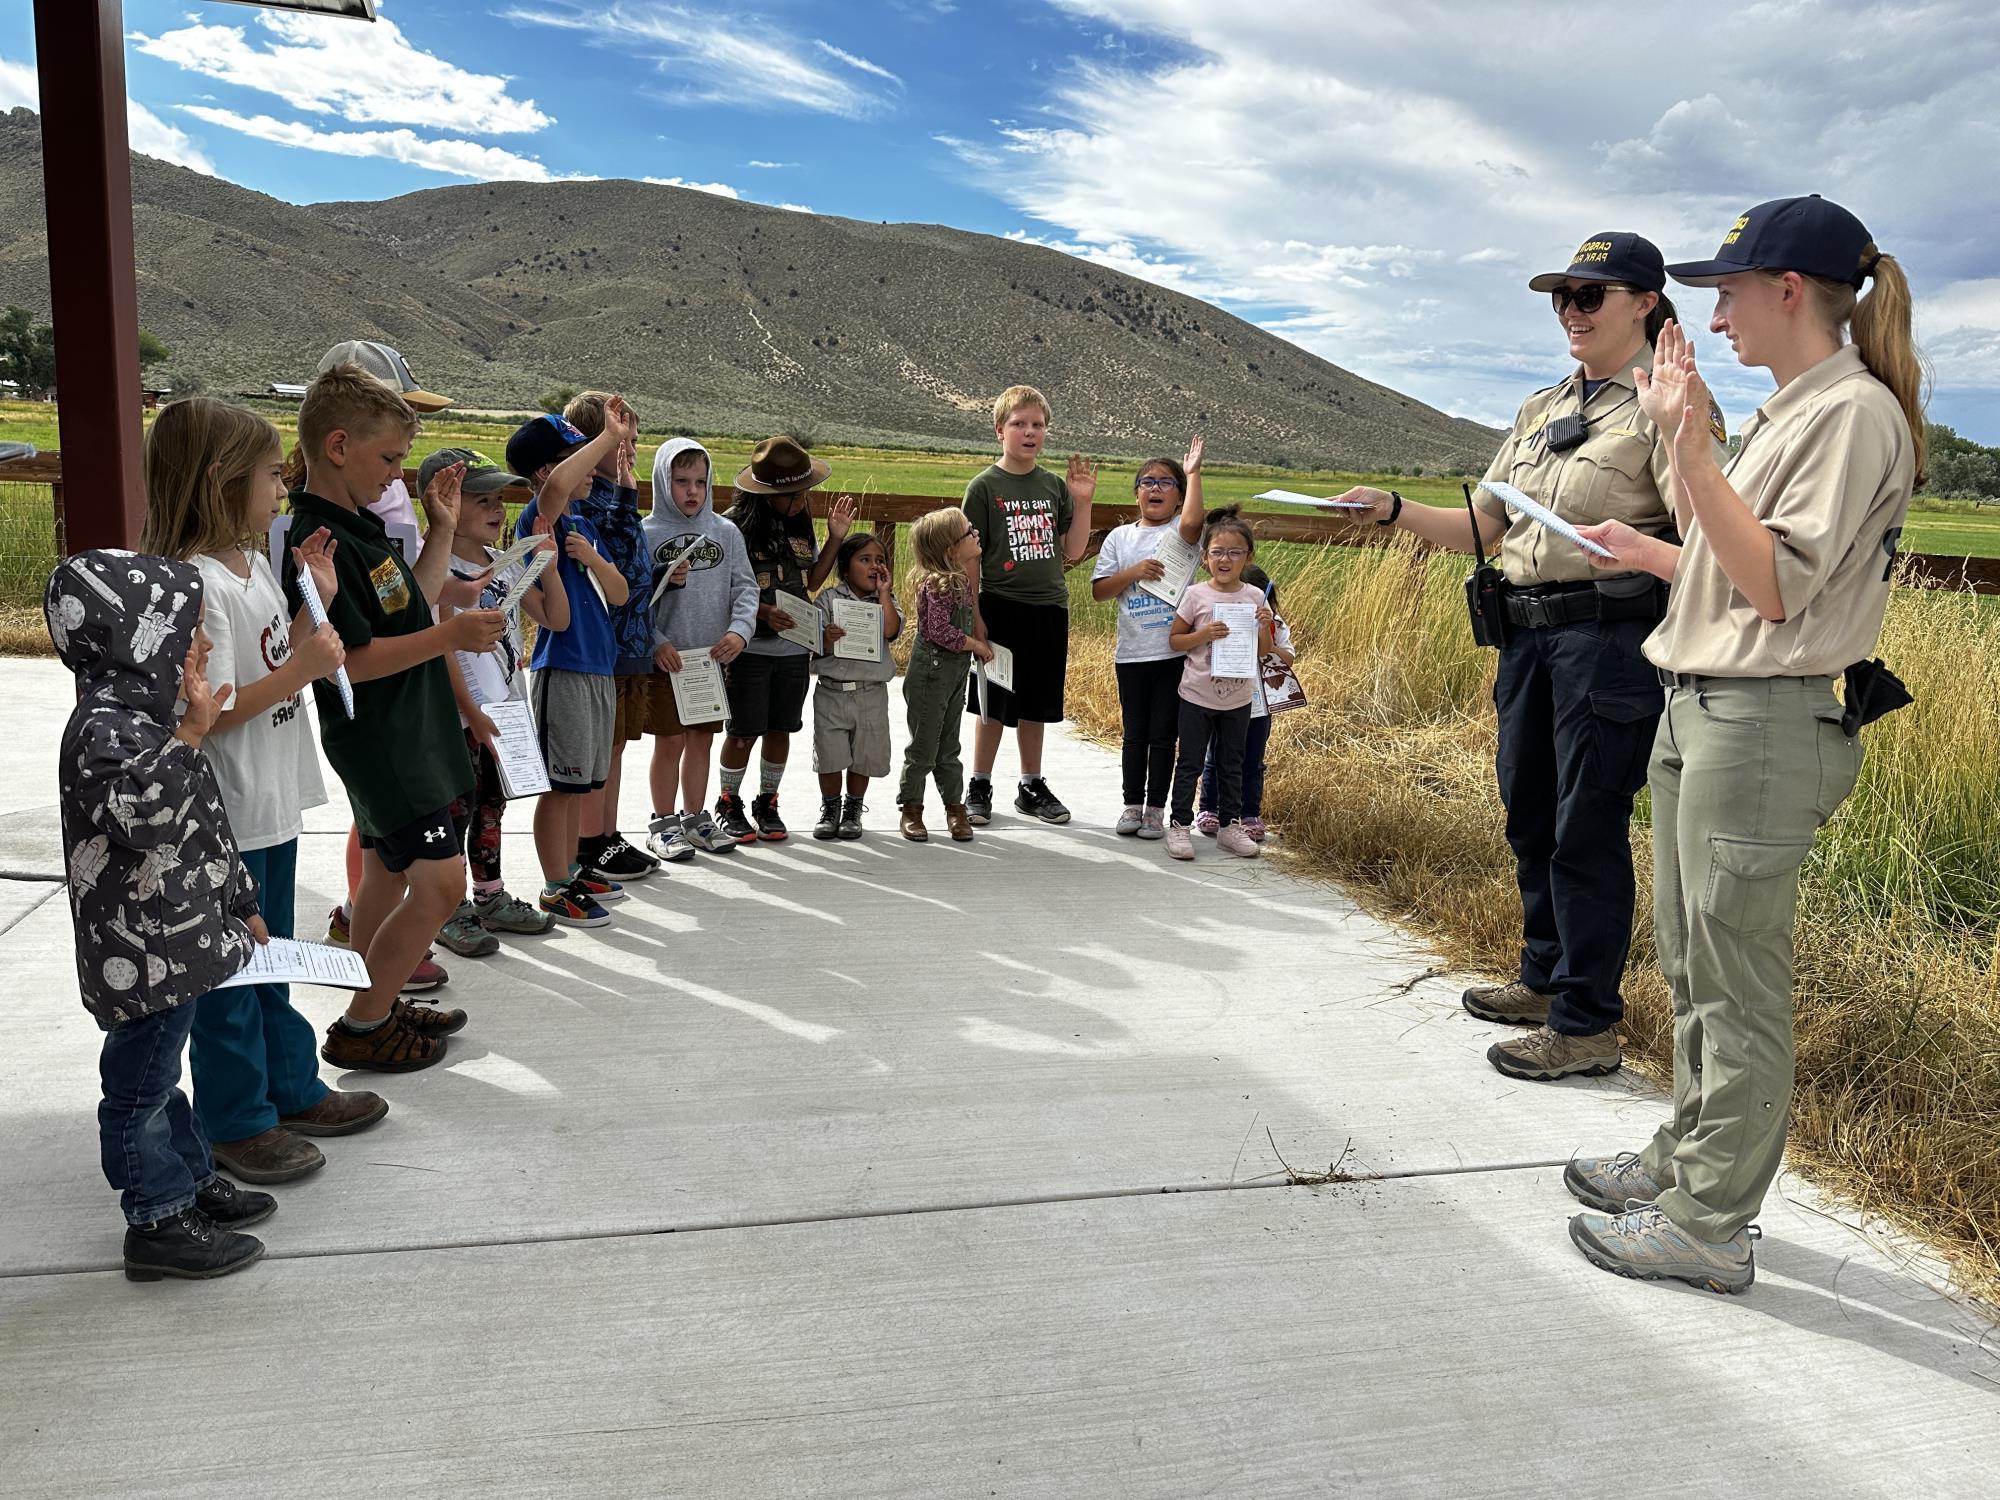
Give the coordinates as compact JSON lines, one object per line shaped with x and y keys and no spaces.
{"x":27,"y":352}
{"x":182,"y":384}
{"x":1961,"y":469}
{"x":151,"y":348}
{"x":554,"y":401}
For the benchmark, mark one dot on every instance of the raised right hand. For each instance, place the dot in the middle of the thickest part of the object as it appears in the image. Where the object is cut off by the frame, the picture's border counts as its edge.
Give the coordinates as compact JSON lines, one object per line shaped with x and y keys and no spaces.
{"x":666,"y":658}
{"x":322,"y":652}
{"x":476,"y":630}
{"x":1663,"y":391}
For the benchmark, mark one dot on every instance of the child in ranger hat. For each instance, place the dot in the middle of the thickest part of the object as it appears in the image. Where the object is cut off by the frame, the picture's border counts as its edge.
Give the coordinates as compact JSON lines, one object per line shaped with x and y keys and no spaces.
{"x":494,"y":677}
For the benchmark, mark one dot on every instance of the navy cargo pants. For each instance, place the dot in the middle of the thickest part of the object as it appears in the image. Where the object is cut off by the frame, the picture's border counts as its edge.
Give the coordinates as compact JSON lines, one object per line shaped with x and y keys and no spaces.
{"x":1577,"y":706}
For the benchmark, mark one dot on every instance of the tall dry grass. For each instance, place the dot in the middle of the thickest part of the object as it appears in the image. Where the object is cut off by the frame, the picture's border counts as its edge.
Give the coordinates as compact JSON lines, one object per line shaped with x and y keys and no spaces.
{"x":1386,"y":782}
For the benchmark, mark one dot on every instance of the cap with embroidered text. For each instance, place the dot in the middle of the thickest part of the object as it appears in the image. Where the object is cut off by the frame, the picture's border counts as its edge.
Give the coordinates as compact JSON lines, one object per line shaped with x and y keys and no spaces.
{"x":545,"y":440}
{"x":1630,"y":259}
{"x":1809,"y":235}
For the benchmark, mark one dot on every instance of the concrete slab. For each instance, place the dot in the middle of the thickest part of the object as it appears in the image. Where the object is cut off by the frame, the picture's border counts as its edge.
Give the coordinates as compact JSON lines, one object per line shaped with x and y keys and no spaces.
{"x":1414,"y":1339}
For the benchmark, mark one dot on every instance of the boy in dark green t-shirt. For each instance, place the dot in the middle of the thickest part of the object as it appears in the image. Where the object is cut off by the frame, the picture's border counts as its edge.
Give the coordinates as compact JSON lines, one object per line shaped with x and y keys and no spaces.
{"x":1032,"y":526}
{"x":402,"y":755}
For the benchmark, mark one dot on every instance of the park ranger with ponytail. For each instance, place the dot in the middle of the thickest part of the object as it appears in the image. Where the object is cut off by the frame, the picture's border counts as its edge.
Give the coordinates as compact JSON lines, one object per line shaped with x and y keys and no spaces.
{"x":1780,"y":587}
{"x":1576,"y":701}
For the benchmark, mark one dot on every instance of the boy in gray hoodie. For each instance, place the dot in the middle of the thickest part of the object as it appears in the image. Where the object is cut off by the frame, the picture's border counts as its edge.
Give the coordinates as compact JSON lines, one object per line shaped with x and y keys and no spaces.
{"x":708,"y":605}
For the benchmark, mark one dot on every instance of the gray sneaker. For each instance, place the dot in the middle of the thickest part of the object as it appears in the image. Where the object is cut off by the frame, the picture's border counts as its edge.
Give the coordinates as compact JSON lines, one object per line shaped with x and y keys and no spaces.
{"x":501,"y":912}
{"x":667,"y":839}
{"x":1646,"y":1245}
{"x":705,"y":833}
{"x":1153,"y":825}
{"x":1608,"y":1183}
{"x":1510,"y":1004}
{"x":1543,"y":1055}
{"x":1130,"y":822}
{"x":464,"y":935}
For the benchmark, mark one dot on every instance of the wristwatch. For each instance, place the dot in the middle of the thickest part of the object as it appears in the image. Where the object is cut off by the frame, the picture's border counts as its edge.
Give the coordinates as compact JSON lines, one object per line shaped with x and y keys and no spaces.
{"x":1395,"y":510}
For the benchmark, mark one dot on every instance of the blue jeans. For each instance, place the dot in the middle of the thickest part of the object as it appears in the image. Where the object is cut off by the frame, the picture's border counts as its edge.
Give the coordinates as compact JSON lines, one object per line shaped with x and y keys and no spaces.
{"x":1254,"y":743}
{"x":252,"y":1057}
{"x":154,"y":1152}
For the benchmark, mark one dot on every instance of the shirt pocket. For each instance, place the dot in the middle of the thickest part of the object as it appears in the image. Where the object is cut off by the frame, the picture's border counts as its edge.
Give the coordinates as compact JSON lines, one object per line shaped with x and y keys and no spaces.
{"x":1611,"y":480}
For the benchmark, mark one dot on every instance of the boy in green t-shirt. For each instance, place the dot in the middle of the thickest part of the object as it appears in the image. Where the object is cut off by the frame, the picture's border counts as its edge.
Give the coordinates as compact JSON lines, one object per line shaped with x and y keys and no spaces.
{"x":1032,"y":526}
{"x":401,"y":756}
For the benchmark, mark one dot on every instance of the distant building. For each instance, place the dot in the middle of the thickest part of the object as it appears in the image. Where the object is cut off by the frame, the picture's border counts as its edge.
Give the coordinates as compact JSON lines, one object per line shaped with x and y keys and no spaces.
{"x":279,"y":391}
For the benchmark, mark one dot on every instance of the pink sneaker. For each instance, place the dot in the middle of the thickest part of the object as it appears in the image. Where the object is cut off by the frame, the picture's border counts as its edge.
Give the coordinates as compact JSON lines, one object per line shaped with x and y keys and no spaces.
{"x":1179,"y":844}
{"x":1255,"y":828}
{"x":1207,"y":823}
{"x":1236,"y":840}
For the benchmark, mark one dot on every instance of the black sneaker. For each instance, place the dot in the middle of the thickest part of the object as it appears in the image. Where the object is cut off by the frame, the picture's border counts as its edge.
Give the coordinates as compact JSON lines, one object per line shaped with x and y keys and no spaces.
{"x":618,"y":860}
{"x":189,"y":1246}
{"x":765,"y":810}
{"x":979,"y":802}
{"x":851,"y":809}
{"x":729,"y":813}
{"x":1037,"y":801}
{"x":228,"y":1206}
{"x":828,"y":826}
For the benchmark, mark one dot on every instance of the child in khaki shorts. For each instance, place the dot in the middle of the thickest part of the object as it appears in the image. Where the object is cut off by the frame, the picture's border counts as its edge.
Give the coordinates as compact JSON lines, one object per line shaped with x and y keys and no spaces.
{"x":851,"y":703}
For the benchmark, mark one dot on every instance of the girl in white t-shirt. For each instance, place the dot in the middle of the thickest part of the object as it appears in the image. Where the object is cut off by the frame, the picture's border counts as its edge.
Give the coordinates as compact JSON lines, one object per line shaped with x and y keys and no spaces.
{"x":214,"y":483}
{"x":1148,"y":668}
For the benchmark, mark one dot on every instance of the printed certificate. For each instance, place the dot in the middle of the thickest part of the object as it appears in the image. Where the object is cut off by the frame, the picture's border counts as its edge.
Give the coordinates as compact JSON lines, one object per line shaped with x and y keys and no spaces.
{"x":862,"y":620}
{"x":700,"y":696}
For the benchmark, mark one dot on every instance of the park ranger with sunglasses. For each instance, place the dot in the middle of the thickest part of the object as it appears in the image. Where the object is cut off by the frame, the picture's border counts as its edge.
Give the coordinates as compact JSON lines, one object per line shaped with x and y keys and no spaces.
{"x":1577,"y":702}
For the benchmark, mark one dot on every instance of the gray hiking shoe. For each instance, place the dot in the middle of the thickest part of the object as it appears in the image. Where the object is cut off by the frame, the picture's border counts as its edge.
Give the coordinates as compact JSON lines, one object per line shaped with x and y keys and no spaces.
{"x":465,"y":937}
{"x":1646,"y":1245}
{"x":501,"y":912}
{"x":1543,"y":1055}
{"x":1509,"y":1004}
{"x":1608,"y":1183}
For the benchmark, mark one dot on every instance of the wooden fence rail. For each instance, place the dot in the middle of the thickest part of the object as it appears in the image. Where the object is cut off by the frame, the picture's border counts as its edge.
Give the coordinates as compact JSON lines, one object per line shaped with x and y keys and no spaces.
{"x":1979,"y":575}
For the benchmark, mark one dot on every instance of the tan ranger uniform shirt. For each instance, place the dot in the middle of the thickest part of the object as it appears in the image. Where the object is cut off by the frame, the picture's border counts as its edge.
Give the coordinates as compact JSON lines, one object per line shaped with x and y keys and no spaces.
{"x":1827,"y":465}
{"x":1618,"y":473}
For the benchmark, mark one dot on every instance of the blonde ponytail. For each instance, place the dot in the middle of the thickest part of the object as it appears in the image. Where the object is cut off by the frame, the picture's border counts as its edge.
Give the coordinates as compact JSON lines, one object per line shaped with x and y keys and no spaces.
{"x":1887,"y":344}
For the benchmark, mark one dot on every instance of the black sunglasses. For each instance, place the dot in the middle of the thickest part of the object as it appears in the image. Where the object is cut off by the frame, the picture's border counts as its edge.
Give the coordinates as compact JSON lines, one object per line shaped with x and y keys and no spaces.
{"x":1588,"y":299}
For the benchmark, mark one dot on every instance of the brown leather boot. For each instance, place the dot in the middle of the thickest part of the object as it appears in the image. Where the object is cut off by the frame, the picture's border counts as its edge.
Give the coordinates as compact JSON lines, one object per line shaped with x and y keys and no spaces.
{"x":274,"y":1155}
{"x":956,"y":820}
{"x":341,"y":1112}
{"x":912,"y":822}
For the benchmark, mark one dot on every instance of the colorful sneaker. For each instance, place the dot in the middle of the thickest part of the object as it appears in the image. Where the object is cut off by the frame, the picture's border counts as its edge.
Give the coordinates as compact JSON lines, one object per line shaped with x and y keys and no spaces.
{"x":603,"y":890}
{"x":1608,"y":1183}
{"x":396,"y":1046}
{"x":1179,"y":845}
{"x":1037,"y":801}
{"x":729,"y":813}
{"x":1153,"y":824}
{"x":764,"y":811}
{"x":1646,"y":1245}
{"x":1255,"y":828}
{"x":464,"y":935}
{"x":1514,"y":1004}
{"x":574,"y":906}
{"x":1543,"y":1055}
{"x":1207,"y":824}
{"x":828,"y":826}
{"x":1236,"y":840}
{"x":1130,"y":822}
{"x":501,"y":912}
{"x":337,"y":925}
{"x":425,"y":976}
{"x":851,"y":809}
{"x":706,"y":834}
{"x":667,"y":839}
{"x":618,"y":860}
{"x":979,"y":801}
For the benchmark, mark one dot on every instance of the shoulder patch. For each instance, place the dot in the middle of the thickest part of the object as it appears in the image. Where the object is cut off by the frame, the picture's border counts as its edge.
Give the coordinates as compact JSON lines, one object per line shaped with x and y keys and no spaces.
{"x":1715,"y":425}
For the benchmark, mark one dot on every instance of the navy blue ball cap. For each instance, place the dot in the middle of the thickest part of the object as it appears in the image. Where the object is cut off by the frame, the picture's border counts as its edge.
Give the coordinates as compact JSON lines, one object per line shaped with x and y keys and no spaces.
{"x":1809,"y":235}
{"x":545,"y":440}
{"x":1630,"y":259}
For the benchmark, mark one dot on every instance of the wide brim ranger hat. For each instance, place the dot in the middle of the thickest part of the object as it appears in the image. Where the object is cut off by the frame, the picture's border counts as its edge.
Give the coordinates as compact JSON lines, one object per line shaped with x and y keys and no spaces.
{"x":779,"y":466}
{"x":1613,"y":256}
{"x":1809,"y":235}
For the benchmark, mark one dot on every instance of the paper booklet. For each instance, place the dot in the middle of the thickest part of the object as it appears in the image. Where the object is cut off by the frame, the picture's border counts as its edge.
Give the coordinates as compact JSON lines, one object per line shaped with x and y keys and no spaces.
{"x":1293,"y":497}
{"x":665,"y":570}
{"x":309,"y":591}
{"x":288,"y":961}
{"x":805,"y":620}
{"x":862,"y":620}
{"x":523,"y":772}
{"x":1235,"y":655}
{"x":700,"y":696}
{"x":997,"y":673}
{"x":1541,"y":515}
{"x":1281,"y":686}
{"x":1178,"y":557}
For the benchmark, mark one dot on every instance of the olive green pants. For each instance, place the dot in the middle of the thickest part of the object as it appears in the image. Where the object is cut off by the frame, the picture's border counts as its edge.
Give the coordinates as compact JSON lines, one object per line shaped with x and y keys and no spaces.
{"x":1744,"y":772}
{"x":934,"y":695}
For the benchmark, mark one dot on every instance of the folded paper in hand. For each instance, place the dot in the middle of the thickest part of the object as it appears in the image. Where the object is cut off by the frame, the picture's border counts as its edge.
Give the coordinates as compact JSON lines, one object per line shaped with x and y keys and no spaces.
{"x":1541,"y":515}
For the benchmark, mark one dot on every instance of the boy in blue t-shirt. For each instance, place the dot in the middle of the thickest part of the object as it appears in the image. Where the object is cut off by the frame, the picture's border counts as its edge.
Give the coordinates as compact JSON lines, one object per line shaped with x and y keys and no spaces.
{"x":571,"y":687}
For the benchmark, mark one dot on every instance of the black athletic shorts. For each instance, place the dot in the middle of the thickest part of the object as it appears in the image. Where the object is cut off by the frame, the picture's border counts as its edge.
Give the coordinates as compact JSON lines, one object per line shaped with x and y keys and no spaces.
{"x":1038,"y":635}
{"x":767,"y":694}
{"x":436,"y":835}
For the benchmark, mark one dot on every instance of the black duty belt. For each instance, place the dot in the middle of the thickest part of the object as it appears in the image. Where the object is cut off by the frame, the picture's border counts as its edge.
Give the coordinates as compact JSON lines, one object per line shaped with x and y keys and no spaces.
{"x":1549,"y":605}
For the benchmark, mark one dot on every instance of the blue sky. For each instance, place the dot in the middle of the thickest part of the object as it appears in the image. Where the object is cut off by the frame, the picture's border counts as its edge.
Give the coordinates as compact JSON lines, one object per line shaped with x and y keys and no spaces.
{"x":1375,"y":183}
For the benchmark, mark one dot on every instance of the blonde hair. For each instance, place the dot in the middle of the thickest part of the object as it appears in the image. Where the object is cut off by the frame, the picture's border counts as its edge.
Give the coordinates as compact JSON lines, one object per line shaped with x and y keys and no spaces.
{"x":931,"y":540}
{"x":1881,"y":325}
{"x":348,"y":399}
{"x":1014,"y":398}
{"x":200,"y":458}
{"x":585,"y":411}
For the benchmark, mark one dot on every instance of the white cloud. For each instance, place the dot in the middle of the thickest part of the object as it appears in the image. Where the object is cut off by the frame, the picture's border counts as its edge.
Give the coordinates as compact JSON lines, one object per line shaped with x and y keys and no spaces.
{"x":364,"y":74}
{"x":705,"y":58}
{"x":1379,"y":190}
{"x":720,"y":189}
{"x":453,"y":158}
{"x":770,"y":166}
{"x":859,"y":64}
{"x":145,"y":131}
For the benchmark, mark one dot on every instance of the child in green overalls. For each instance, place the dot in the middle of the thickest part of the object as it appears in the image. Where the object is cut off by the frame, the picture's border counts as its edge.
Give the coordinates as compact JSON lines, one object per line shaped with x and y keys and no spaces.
{"x":949,"y":634}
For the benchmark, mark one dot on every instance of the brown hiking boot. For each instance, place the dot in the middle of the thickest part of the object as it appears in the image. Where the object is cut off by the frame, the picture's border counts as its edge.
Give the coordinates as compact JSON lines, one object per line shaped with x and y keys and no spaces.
{"x":274,"y":1155}
{"x":396,"y":1046}
{"x":912,"y":822}
{"x":1544,"y":1055}
{"x":341,"y":1112}
{"x":1510,"y":1004}
{"x":959,"y":824}
{"x":428,"y":1020}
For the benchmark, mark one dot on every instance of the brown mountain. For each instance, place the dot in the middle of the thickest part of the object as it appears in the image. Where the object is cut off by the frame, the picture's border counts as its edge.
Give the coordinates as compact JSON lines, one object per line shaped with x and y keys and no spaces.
{"x":717,"y":316}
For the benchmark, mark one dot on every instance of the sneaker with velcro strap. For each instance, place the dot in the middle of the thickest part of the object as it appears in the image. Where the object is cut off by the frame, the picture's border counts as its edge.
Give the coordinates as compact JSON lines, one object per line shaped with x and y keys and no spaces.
{"x":667,"y":839}
{"x":705,"y":833}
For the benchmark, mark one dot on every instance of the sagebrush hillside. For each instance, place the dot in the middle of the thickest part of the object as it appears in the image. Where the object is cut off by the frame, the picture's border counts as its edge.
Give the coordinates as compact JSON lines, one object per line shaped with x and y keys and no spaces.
{"x":718,"y":316}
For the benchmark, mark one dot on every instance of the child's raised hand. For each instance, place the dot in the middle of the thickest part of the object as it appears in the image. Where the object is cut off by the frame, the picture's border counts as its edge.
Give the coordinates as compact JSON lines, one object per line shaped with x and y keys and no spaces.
{"x":628,"y":455}
{"x":1082,"y":479}
{"x":204,"y":704}
{"x":840,"y":517}
{"x":666,"y":658}
{"x":441,"y":497}
{"x":620,"y":420}
{"x":323,"y":652}
{"x":1192,"y":463}
{"x":315,"y":555}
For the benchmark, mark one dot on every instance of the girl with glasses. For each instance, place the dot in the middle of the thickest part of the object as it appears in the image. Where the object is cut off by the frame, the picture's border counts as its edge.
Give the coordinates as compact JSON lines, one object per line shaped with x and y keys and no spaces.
{"x":1576,"y":701}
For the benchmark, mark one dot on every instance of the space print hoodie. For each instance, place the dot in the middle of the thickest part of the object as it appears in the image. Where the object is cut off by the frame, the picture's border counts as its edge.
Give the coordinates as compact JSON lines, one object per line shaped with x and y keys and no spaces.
{"x":720,"y":594}
{"x":157,"y":895}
